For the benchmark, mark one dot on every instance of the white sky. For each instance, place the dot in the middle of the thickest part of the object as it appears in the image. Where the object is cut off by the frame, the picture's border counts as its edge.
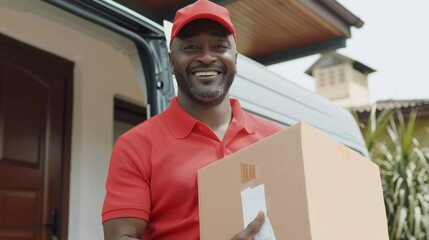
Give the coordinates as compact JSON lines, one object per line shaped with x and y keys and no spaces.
{"x":394,"y":41}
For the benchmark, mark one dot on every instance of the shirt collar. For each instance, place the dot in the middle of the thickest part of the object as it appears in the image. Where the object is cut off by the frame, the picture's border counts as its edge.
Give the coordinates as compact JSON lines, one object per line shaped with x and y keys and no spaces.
{"x":242,"y":117}
{"x":181,"y":123}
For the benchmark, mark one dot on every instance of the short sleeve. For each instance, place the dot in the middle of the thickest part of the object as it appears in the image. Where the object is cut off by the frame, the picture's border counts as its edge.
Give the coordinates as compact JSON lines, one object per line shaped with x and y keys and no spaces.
{"x":128,"y":183}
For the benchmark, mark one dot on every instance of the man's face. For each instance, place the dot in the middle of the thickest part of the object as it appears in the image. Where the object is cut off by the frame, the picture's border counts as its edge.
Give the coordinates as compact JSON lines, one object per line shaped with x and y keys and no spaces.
{"x":203,"y":58}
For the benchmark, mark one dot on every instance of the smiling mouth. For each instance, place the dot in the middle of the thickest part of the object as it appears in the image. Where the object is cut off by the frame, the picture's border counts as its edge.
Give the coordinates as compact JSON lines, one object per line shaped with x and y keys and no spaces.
{"x":206,"y":74}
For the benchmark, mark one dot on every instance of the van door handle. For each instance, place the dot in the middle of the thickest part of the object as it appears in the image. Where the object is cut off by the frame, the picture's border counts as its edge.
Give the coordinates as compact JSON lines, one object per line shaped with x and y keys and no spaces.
{"x":55,"y":224}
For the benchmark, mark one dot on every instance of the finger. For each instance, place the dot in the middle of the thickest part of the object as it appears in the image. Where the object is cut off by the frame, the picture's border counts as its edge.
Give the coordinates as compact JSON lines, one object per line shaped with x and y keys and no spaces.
{"x":255,"y":225}
{"x":252,"y":228}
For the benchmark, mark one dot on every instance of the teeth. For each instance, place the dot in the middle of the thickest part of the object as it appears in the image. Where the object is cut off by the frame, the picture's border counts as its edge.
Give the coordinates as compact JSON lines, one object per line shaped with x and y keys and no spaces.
{"x":212,"y":73}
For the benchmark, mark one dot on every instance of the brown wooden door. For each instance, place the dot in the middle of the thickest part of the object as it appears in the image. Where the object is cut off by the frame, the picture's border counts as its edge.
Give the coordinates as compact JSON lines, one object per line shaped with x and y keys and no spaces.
{"x":35,"y":89}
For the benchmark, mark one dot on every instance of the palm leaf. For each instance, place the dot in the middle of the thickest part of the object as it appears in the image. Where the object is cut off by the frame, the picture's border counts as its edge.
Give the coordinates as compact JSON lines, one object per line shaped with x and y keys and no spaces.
{"x":376,"y":126}
{"x":404,"y":169}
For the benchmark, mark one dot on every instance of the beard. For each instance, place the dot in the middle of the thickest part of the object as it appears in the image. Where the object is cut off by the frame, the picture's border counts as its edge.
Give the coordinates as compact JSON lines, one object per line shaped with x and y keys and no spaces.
{"x":205,"y":94}
{"x":208,"y":95}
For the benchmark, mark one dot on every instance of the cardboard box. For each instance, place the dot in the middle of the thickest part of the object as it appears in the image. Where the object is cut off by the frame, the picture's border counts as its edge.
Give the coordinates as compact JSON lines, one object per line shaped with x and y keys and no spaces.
{"x":315,"y":188}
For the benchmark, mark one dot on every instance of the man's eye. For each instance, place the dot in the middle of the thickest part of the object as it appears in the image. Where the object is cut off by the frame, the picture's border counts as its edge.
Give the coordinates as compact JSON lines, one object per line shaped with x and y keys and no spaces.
{"x":191,"y":47}
{"x":220,"y":46}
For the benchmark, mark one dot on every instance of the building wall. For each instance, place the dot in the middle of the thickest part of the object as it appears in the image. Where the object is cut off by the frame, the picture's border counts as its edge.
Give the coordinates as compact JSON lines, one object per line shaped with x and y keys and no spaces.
{"x":333,"y":82}
{"x":359,"y":92}
{"x":104,"y":68}
{"x":342,"y":84}
{"x":422,"y":131}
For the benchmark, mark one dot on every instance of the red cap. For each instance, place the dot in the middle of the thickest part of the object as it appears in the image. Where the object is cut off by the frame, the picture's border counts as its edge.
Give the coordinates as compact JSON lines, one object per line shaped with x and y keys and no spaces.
{"x":198,"y":10}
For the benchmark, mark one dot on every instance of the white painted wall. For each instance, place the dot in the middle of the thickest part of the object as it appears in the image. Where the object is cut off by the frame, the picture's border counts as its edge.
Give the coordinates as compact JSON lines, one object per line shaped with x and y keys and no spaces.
{"x":352,"y":91}
{"x":359,"y":90}
{"x":103,"y":68}
{"x":335,"y":86}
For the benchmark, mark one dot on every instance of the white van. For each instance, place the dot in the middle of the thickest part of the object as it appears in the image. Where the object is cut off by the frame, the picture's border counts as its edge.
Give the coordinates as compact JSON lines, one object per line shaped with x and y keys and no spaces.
{"x":73,"y":75}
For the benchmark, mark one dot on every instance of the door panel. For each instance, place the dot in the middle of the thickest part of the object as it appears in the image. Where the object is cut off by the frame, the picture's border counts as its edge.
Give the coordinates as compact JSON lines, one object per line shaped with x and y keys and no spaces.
{"x":24,"y":105}
{"x":34,"y":87}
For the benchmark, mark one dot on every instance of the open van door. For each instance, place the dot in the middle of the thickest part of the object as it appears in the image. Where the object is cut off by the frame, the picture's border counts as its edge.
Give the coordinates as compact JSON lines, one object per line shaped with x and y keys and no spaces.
{"x":148,"y":37}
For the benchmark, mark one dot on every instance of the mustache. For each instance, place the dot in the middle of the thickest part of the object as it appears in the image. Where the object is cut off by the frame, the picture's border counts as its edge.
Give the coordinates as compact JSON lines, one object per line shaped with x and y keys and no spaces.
{"x":203,"y":66}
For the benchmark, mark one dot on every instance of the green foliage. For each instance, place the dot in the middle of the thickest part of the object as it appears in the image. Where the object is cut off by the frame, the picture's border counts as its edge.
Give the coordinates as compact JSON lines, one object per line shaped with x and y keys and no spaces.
{"x":404,"y":168}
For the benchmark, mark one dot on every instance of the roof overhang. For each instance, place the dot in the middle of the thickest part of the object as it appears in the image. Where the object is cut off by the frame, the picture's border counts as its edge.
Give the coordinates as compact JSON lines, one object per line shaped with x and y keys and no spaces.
{"x":336,"y":58}
{"x":272,"y":31}
{"x":403,"y":106}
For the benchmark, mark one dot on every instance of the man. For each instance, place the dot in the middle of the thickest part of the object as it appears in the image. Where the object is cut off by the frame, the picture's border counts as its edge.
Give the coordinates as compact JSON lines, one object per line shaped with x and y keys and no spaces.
{"x":152,"y":181}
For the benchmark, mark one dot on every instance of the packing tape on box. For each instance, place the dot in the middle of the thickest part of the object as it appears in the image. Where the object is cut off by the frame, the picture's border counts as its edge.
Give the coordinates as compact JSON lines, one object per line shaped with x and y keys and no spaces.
{"x":248,"y":172}
{"x":344,"y":152}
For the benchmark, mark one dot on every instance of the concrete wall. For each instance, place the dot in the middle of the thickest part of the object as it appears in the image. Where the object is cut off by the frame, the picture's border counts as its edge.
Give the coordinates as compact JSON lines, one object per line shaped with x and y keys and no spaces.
{"x":104,"y":67}
{"x":332,"y":82}
{"x":422,"y":131}
{"x":359,"y":91}
{"x":342,"y":84}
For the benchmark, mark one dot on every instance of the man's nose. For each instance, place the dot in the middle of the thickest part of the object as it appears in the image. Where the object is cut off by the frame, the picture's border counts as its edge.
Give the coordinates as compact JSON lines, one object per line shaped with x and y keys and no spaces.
{"x":206,"y":55}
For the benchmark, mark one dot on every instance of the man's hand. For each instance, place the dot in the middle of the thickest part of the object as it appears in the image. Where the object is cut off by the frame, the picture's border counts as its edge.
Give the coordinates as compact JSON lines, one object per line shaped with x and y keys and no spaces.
{"x":251,"y":229}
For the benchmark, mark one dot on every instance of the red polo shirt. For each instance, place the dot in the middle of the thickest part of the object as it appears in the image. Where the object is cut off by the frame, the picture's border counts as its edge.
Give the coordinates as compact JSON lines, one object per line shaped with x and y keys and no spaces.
{"x":153,"y":168}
